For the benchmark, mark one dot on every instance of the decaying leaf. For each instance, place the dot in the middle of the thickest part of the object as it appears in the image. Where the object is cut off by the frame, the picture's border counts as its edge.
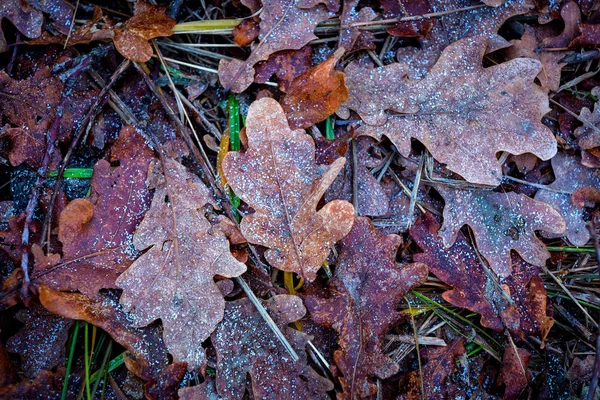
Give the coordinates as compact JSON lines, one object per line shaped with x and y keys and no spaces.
{"x":46,"y":385}
{"x":148,"y":22}
{"x":544,"y":36}
{"x":500,"y":222}
{"x":588,"y":135}
{"x":96,"y":232}
{"x":41,"y":341}
{"x":166,"y":385}
{"x":438,"y":363}
{"x":352,"y":38}
{"x":174,"y":279}
{"x":316,"y":94}
{"x":245,"y":345}
{"x":25,"y":18}
{"x":570,"y":175}
{"x":246,"y":31}
{"x":286,"y":65}
{"x":514,"y":371}
{"x":278,"y":177}
{"x":284,"y":25}
{"x":463,"y":113}
{"x":29,"y":105}
{"x":147,"y":353}
{"x":99,"y":27}
{"x":516,"y":302}
{"x":472,"y":22}
{"x":398,"y":9}
{"x":367,"y":286}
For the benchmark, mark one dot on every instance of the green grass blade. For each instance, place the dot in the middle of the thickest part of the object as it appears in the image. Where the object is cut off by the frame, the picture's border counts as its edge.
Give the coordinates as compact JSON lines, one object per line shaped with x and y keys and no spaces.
{"x":81,"y":173}
{"x":65,"y":387}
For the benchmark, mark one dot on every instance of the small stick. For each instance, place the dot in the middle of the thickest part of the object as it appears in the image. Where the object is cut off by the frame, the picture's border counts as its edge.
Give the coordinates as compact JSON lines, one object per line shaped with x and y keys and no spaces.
{"x":35,"y":195}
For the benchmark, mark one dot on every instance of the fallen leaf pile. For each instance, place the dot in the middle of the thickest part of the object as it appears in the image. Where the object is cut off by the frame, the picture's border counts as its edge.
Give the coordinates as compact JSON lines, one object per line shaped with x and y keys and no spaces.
{"x":314,"y":199}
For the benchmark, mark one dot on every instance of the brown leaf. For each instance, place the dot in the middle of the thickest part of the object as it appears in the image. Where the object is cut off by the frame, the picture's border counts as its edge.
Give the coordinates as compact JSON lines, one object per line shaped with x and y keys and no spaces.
{"x":454,"y":26}
{"x":457,"y":111}
{"x":438,"y":363}
{"x":148,"y":22}
{"x":399,"y":9}
{"x":544,"y":37}
{"x":145,"y":346}
{"x":174,"y":279}
{"x":165,"y":387}
{"x":246,"y":32}
{"x":278,"y":177}
{"x":245,"y":345}
{"x":484,"y":292}
{"x":286,"y":65}
{"x":501,"y":222}
{"x":41,"y":341}
{"x":372,"y":199}
{"x":8,"y":372}
{"x":283,"y":26}
{"x":316,"y":94}
{"x":353,"y":39}
{"x":46,"y":385}
{"x":590,"y":36}
{"x":25,"y":18}
{"x":99,"y":27}
{"x":588,"y":136}
{"x":514,"y":371}
{"x":367,"y":286}
{"x":207,"y":391}
{"x":96,"y":231}
{"x":570,"y":176}
{"x":30,"y":105}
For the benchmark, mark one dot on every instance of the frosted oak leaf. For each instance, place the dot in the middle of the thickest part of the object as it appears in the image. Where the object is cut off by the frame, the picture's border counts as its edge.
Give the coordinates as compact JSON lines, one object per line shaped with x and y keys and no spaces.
{"x":174,"y":279}
{"x":463,"y":113}
{"x":279,"y":178}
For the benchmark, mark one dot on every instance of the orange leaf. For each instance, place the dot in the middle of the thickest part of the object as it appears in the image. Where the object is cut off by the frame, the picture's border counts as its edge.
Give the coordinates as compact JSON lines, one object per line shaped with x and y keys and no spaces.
{"x":316,"y":94}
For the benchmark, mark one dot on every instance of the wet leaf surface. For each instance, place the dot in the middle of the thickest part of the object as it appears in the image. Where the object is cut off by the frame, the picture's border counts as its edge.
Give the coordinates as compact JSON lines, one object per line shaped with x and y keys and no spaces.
{"x":294,"y":28}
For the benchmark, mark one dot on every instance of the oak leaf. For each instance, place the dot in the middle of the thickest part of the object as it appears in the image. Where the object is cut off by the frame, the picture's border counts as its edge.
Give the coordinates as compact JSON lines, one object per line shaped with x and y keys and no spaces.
{"x":463,"y":113}
{"x":245,"y":345}
{"x":96,"y":231}
{"x":316,"y":94}
{"x":146,"y":351}
{"x":174,"y":279}
{"x":517,"y":302}
{"x":570,"y":176}
{"x":367,"y":286}
{"x":46,"y":385}
{"x":284,"y":25}
{"x":41,"y":341}
{"x":454,"y":25}
{"x":278,"y":177}
{"x":501,"y":222}
{"x":430,"y":381}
